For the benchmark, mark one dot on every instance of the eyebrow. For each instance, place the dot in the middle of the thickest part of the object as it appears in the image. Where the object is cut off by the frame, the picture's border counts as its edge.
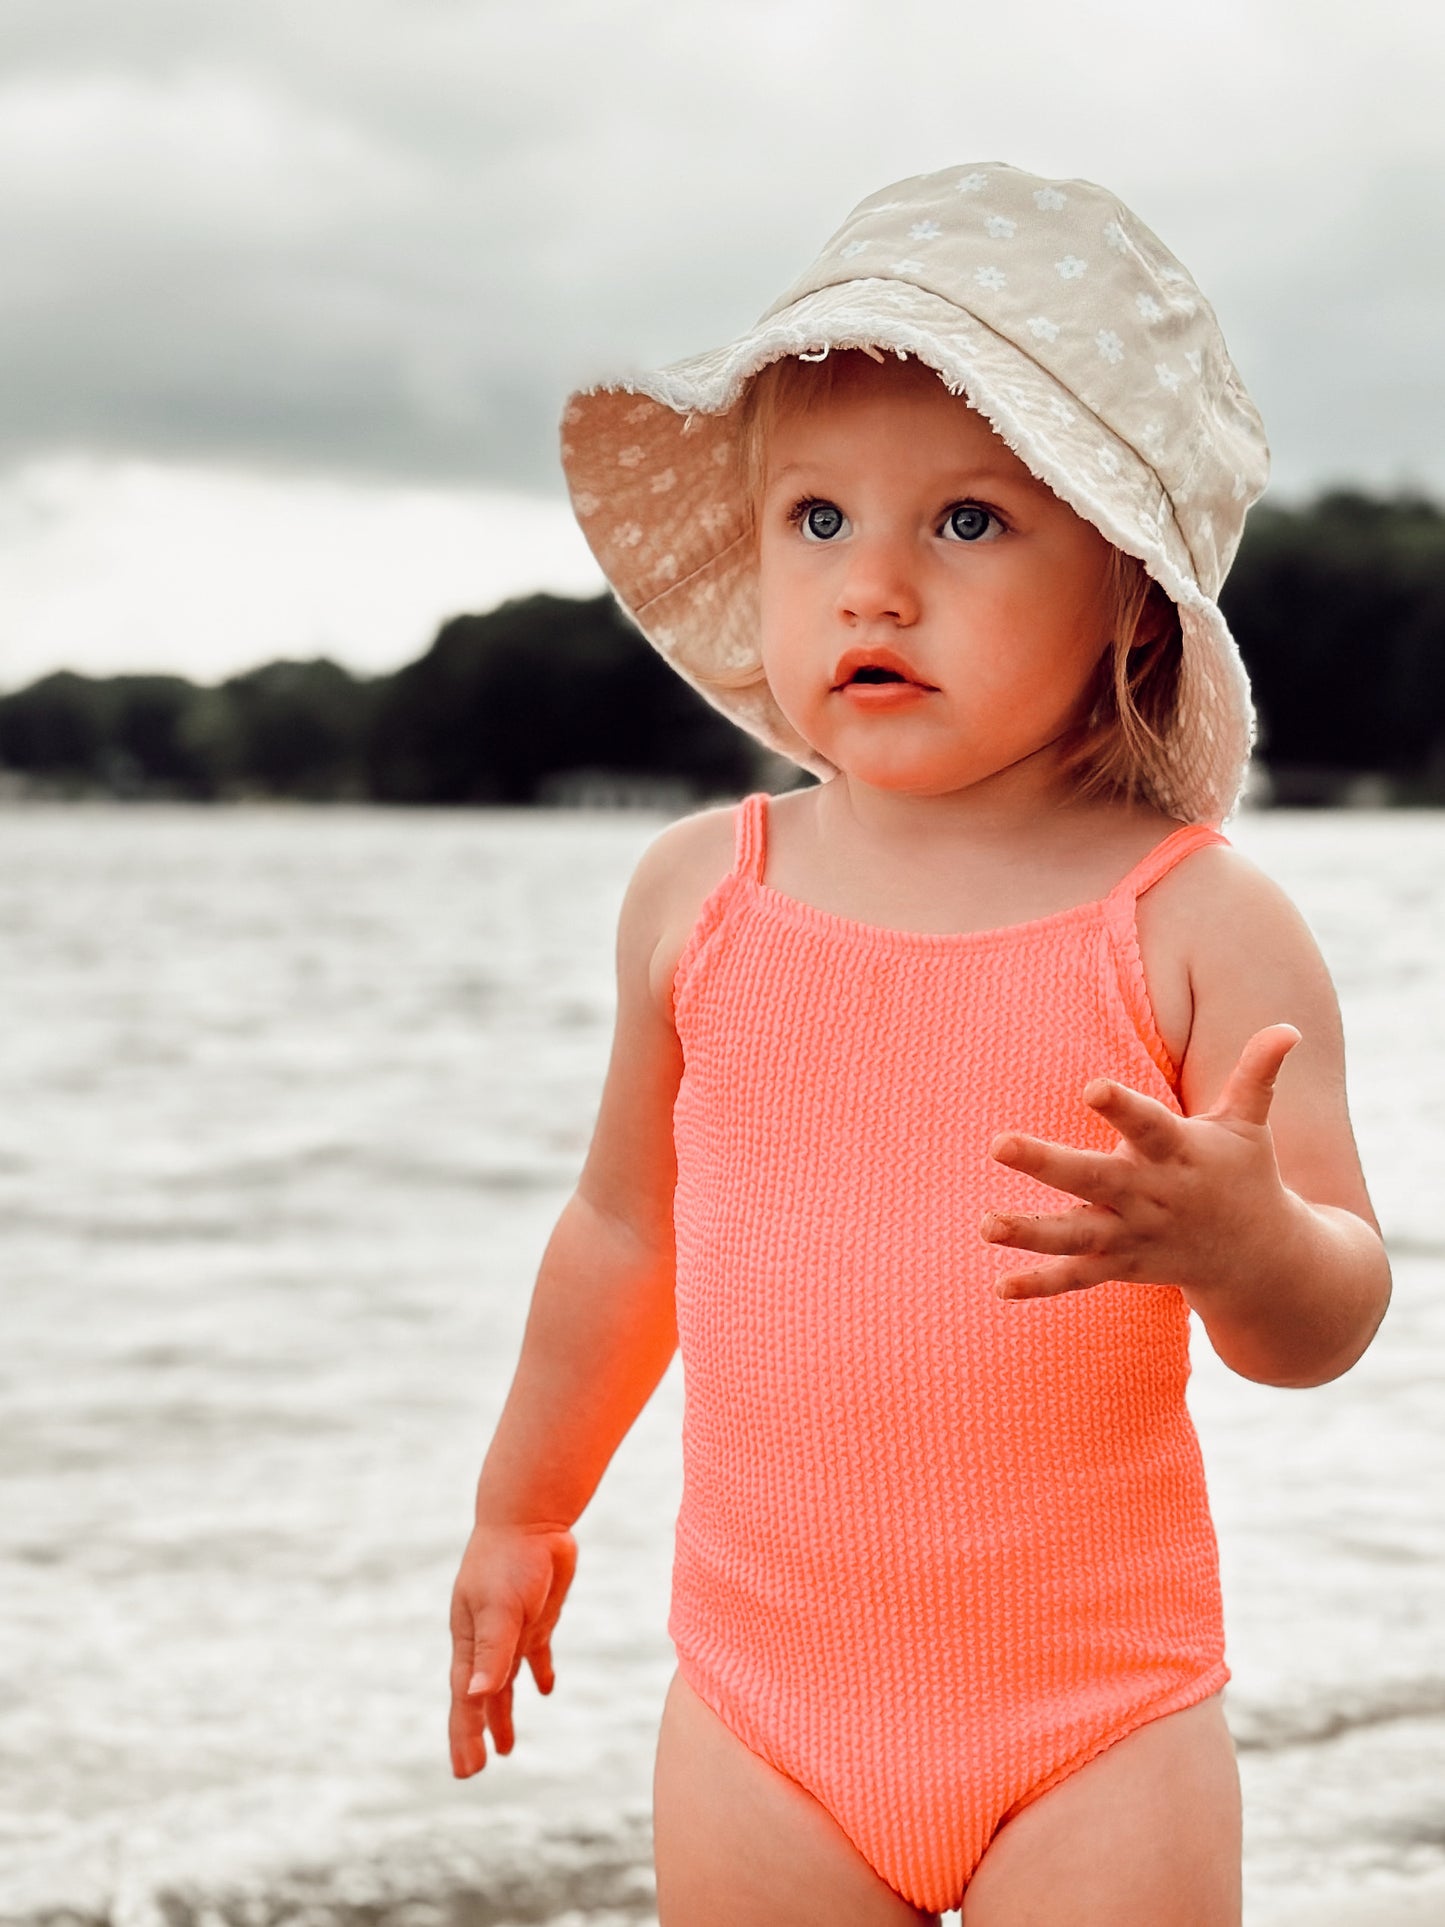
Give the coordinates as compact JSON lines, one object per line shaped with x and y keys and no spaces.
{"x":959,"y":477}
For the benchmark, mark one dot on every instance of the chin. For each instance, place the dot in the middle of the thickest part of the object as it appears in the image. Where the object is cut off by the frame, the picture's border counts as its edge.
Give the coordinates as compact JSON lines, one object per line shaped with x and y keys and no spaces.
{"x":910,"y":775}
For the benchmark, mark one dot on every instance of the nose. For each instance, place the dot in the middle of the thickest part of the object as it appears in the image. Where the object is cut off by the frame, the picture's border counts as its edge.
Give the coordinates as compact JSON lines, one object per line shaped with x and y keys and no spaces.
{"x":879,"y":583}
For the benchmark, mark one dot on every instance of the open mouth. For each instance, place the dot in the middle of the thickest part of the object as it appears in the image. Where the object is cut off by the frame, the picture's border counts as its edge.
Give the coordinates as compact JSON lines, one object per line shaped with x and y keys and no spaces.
{"x":877,"y":667}
{"x":874,"y":676}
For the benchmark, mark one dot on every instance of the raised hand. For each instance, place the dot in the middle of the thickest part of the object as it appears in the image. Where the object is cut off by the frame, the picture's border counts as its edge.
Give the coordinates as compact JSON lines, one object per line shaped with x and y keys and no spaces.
{"x":505,"y":1605}
{"x":1180,"y":1201}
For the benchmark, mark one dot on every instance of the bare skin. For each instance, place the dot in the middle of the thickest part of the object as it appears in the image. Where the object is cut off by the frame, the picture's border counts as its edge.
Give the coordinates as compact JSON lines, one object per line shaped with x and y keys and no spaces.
{"x":1146,"y":1834}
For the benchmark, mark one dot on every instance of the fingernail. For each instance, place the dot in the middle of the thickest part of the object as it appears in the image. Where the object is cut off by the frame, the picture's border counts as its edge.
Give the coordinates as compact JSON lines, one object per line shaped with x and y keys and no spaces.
{"x":477,"y":1683}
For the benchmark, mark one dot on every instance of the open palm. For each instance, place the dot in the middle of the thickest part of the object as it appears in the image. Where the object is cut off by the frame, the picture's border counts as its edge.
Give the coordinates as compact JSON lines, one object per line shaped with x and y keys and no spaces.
{"x":1175,"y":1196}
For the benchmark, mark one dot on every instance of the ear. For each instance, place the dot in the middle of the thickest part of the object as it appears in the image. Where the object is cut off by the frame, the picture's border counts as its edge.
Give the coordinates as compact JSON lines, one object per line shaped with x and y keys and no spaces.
{"x":1158,"y":619}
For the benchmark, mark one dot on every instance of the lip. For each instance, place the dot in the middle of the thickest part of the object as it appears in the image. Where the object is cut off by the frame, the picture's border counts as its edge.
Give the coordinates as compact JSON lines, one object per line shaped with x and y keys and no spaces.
{"x":876,"y":658}
{"x":869,"y":696}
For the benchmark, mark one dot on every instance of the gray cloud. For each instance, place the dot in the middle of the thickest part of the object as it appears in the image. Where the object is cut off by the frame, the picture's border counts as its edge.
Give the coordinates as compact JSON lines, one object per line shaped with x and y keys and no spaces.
{"x":384,"y":240}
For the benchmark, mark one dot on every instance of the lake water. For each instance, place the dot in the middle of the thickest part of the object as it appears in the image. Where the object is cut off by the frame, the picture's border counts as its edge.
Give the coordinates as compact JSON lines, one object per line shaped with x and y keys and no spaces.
{"x":289,"y":1102}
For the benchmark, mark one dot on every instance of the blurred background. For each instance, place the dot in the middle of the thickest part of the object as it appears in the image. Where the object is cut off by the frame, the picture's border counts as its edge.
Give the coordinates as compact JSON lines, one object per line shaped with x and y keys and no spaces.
{"x":309,"y":878}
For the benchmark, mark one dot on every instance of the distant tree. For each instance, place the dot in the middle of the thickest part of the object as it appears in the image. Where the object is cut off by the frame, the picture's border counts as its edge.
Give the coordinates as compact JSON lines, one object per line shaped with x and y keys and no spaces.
{"x":1339,"y":611}
{"x":57,"y":726}
{"x":290,"y":729}
{"x":150,"y":746}
{"x":286,"y":729}
{"x":540,"y":686}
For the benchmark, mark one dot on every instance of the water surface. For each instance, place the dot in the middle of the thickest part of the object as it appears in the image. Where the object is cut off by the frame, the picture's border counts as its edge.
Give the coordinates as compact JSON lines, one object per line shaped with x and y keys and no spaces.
{"x":289,"y":1102}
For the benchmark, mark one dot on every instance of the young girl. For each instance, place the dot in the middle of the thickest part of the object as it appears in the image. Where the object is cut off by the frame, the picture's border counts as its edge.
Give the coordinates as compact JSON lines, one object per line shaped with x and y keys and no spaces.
{"x":946,"y":528}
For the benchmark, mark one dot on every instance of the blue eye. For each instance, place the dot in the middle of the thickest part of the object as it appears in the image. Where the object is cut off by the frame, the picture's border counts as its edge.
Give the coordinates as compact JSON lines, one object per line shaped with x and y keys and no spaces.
{"x":820,"y":521}
{"x":968,"y":521}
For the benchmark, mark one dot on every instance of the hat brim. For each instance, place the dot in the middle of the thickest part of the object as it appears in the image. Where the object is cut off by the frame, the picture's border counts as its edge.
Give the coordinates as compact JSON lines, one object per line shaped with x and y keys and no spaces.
{"x":652,"y":466}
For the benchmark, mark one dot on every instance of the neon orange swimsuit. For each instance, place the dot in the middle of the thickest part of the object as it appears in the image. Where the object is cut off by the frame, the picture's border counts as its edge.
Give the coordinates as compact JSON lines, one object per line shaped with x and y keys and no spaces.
{"x":935,"y":1549}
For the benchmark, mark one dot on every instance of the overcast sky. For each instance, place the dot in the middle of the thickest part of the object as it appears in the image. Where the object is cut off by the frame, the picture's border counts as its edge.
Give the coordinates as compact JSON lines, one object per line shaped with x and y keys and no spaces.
{"x":293,"y":291}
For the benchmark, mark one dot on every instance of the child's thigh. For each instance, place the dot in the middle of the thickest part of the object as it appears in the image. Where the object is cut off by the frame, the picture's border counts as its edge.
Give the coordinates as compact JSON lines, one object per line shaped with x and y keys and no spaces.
{"x":1147,"y":1834}
{"x":738,"y":1844}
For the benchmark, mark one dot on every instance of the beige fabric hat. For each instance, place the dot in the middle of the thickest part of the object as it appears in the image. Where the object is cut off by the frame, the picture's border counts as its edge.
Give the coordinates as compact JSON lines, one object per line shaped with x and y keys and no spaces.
{"x":1068,"y":325}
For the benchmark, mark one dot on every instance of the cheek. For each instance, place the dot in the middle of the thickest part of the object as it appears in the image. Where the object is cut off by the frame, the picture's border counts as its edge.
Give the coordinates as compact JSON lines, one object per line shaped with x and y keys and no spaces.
{"x":777,"y":568}
{"x":1066,"y":629}
{"x":774,"y":608}
{"x":770,"y":585}
{"x":786,"y":599}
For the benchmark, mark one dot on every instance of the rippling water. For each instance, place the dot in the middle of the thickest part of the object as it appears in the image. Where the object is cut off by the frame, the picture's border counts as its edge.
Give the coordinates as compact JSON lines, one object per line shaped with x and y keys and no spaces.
{"x":289,"y":1102}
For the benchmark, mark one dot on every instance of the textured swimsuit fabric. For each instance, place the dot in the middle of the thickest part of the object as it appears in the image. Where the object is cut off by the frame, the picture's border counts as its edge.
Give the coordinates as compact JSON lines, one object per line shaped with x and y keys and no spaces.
{"x":935,"y":1549}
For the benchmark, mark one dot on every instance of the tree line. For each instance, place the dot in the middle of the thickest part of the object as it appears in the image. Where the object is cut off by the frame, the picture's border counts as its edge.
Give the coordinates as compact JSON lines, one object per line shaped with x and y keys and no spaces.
{"x":1338,"y":608}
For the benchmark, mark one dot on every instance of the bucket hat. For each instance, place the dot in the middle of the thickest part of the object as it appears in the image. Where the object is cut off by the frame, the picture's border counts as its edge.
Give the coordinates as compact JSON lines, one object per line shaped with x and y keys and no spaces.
{"x":1073,"y":331}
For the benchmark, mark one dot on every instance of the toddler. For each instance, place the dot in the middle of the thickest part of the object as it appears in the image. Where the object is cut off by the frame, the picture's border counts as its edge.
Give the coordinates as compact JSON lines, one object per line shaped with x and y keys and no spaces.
{"x":943,"y":1090}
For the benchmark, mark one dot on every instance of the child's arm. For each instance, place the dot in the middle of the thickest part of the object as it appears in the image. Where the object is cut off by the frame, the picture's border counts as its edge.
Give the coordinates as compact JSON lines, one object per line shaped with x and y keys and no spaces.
{"x":1254,"y":1202}
{"x":600,"y":1333}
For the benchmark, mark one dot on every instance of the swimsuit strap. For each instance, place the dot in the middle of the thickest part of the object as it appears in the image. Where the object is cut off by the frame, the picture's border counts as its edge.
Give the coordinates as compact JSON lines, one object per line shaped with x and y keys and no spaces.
{"x":1162,"y":858}
{"x":751,"y":849}
{"x":1121,"y":917}
{"x":751,"y":827}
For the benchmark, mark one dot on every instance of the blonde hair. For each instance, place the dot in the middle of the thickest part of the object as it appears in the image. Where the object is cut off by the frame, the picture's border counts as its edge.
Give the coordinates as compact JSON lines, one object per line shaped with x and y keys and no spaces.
{"x":1116,"y":749}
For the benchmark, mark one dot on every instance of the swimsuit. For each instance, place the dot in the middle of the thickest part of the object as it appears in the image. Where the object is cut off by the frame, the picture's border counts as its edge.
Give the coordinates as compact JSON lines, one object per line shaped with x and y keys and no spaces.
{"x":935,"y":1549}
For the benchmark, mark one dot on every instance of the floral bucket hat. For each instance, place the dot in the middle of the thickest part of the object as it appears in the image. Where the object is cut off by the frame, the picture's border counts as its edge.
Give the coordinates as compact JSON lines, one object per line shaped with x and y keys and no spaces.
{"x":1076,"y":334}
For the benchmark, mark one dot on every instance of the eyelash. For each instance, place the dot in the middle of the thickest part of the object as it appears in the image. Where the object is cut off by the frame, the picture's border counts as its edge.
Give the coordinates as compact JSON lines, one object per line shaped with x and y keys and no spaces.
{"x":800,"y":509}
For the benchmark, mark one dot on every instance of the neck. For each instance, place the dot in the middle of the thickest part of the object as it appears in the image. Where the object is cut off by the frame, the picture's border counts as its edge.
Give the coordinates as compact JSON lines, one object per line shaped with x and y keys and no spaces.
{"x":1019,"y":797}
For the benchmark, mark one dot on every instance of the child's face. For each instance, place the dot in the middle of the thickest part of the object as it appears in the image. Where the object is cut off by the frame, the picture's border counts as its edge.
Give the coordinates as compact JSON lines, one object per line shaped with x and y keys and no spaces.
{"x":893,"y":516}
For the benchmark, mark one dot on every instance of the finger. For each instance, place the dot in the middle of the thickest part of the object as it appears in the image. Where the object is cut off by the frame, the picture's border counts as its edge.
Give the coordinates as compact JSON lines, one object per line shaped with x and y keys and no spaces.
{"x":1071,"y":1234}
{"x":464,"y":1634}
{"x":1052,"y":1281}
{"x":494,"y":1653}
{"x":472,"y":1657}
{"x":539,"y":1641}
{"x":499,"y":1719}
{"x":467,"y":1740}
{"x":467,"y":1724}
{"x":543,"y":1671}
{"x":1091,"y":1175}
{"x":1249,"y":1087}
{"x":563,"y":1566}
{"x":1154,"y":1131}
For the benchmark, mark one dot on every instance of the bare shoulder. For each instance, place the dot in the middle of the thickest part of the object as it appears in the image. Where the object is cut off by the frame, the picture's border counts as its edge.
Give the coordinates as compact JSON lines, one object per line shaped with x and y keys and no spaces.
{"x":675,"y":875}
{"x":630,"y":1169}
{"x":1252,"y":960}
{"x":1222,"y":906}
